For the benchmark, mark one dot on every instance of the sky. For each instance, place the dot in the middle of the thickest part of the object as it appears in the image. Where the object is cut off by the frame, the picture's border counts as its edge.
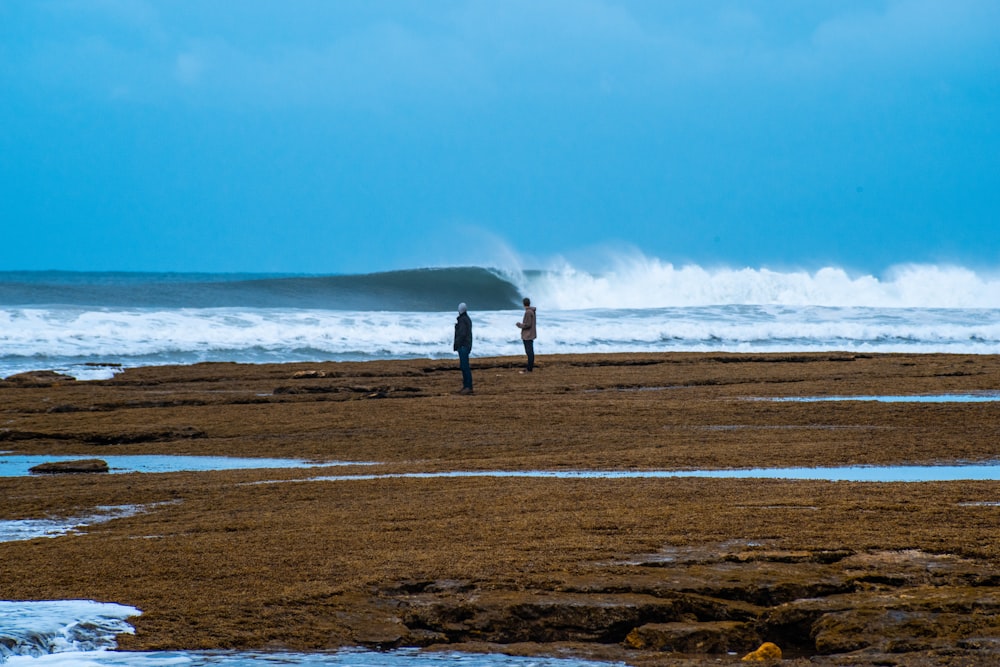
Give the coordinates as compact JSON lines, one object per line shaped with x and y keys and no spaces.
{"x":317,"y":136}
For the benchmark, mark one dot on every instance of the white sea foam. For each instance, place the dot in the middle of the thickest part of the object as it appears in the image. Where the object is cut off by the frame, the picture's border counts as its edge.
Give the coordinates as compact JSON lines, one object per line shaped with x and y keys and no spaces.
{"x":641,"y":282}
{"x":60,"y":626}
{"x":67,"y":341}
{"x":13,"y":530}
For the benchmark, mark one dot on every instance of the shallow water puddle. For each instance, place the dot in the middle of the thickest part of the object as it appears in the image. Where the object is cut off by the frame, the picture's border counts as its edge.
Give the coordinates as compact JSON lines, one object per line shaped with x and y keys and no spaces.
{"x":27,"y":529}
{"x":972,"y":397}
{"x":19,"y":465}
{"x":82,"y":632}
{"x":931,"y":473}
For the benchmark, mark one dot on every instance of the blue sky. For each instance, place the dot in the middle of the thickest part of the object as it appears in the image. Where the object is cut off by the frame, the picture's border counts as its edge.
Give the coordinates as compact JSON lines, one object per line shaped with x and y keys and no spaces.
{"x":340,"y":137}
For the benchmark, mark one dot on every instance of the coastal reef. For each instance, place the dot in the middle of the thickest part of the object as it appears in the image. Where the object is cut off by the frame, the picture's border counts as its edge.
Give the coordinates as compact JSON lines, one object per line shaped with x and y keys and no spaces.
{"x":436,"y":529}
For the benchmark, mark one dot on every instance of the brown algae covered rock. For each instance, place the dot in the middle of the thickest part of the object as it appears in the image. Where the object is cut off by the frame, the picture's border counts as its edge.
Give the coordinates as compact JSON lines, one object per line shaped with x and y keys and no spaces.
{"x":77,"y":466}
{"x":682,"y":637}
{"x":39,"y":378}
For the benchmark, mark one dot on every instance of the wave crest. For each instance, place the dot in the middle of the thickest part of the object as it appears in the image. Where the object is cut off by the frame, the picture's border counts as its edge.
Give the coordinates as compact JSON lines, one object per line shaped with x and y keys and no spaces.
{"x":650,"y":283}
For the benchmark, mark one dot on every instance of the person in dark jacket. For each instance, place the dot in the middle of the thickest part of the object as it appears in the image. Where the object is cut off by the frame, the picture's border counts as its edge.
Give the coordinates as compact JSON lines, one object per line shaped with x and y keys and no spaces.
{"x":463,"y":345}
{"x":528,"y":333}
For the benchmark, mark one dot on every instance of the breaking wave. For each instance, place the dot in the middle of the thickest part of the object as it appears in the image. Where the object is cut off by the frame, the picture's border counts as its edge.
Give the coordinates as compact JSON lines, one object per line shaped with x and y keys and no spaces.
{"x":650,"y":283}
{"x":638,"y":282}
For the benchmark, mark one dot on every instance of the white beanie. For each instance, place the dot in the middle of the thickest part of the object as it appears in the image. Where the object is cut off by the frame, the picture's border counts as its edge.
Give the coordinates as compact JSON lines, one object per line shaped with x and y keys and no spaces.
{"x":461,"y":308}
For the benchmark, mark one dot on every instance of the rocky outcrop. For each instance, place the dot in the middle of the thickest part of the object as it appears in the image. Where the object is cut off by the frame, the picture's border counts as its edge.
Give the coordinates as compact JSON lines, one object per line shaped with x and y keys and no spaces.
{"x":693,"y":637}
{"x":80,"y":466}
{"x":299,"y":375}
{"x":868,"y":608}
{"x":38,"y":379}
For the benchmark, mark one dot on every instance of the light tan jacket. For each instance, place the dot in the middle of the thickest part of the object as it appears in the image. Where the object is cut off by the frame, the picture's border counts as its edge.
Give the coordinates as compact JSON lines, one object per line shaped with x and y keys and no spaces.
{"x":527,"y":325}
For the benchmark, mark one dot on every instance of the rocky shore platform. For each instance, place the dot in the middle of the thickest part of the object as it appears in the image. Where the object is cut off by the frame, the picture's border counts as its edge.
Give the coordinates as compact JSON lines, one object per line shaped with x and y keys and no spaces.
{"x":647,"y":571}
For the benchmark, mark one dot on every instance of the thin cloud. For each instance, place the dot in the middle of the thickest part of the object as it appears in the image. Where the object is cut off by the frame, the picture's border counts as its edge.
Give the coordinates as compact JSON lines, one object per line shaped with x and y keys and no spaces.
{"x":475,"y":52}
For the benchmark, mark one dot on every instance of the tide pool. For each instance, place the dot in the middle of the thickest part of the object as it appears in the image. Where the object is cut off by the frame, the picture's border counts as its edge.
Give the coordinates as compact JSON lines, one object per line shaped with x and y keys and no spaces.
{"x":905,"y":473}
{"x":971,"y":397}
{"x":17,"y":465}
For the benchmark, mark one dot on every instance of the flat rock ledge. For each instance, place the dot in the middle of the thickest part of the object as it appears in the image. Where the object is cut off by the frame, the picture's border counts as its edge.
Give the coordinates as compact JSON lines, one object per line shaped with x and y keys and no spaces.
{"x":825,"y":608}
{"x":38,"y":379}
{"x":78,"y":466}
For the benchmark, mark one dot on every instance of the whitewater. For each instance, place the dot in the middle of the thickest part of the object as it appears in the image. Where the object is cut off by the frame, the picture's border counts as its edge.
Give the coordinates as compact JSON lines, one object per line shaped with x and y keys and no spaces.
{"x":90,"y":325}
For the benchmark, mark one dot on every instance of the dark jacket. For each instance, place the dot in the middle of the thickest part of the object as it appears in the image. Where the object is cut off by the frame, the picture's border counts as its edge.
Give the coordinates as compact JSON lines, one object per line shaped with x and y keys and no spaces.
{"x":463,"y":332}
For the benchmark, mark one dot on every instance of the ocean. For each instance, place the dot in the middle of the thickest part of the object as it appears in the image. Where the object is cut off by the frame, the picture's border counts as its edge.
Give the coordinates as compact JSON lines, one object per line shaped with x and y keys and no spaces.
{"x":90,"y":325}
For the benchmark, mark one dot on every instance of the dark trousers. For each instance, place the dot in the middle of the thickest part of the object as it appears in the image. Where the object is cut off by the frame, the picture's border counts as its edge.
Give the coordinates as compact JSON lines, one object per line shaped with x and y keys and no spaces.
{"x":463,"y":363}
{"x":529,"y":349}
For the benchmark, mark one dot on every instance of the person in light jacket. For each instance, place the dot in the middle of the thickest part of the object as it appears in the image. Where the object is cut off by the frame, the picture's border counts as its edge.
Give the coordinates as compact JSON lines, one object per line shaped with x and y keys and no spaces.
{"x":528,"y":333}
{"x":463,"y":345}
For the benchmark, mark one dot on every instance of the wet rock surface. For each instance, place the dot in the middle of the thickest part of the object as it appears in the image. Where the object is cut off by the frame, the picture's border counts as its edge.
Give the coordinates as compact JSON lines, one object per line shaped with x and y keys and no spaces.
{"x":77,"y":466}
{"x":38,"y":379}
{"x":682,"y":571}
{"x":874,"y":606}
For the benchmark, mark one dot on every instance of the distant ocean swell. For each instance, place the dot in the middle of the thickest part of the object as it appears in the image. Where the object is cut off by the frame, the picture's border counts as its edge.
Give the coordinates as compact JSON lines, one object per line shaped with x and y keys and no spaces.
{"x":414,"y":290}
{"x":637,"y":283}
{"x":79,"y":322}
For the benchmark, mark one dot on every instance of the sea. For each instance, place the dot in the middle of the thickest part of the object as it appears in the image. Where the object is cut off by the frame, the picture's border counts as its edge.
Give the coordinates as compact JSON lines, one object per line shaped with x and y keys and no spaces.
{"x":93,"y":324}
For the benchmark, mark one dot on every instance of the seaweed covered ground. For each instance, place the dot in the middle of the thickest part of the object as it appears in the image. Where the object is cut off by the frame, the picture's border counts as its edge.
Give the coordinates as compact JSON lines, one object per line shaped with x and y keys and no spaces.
{"x":643,"y":570}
